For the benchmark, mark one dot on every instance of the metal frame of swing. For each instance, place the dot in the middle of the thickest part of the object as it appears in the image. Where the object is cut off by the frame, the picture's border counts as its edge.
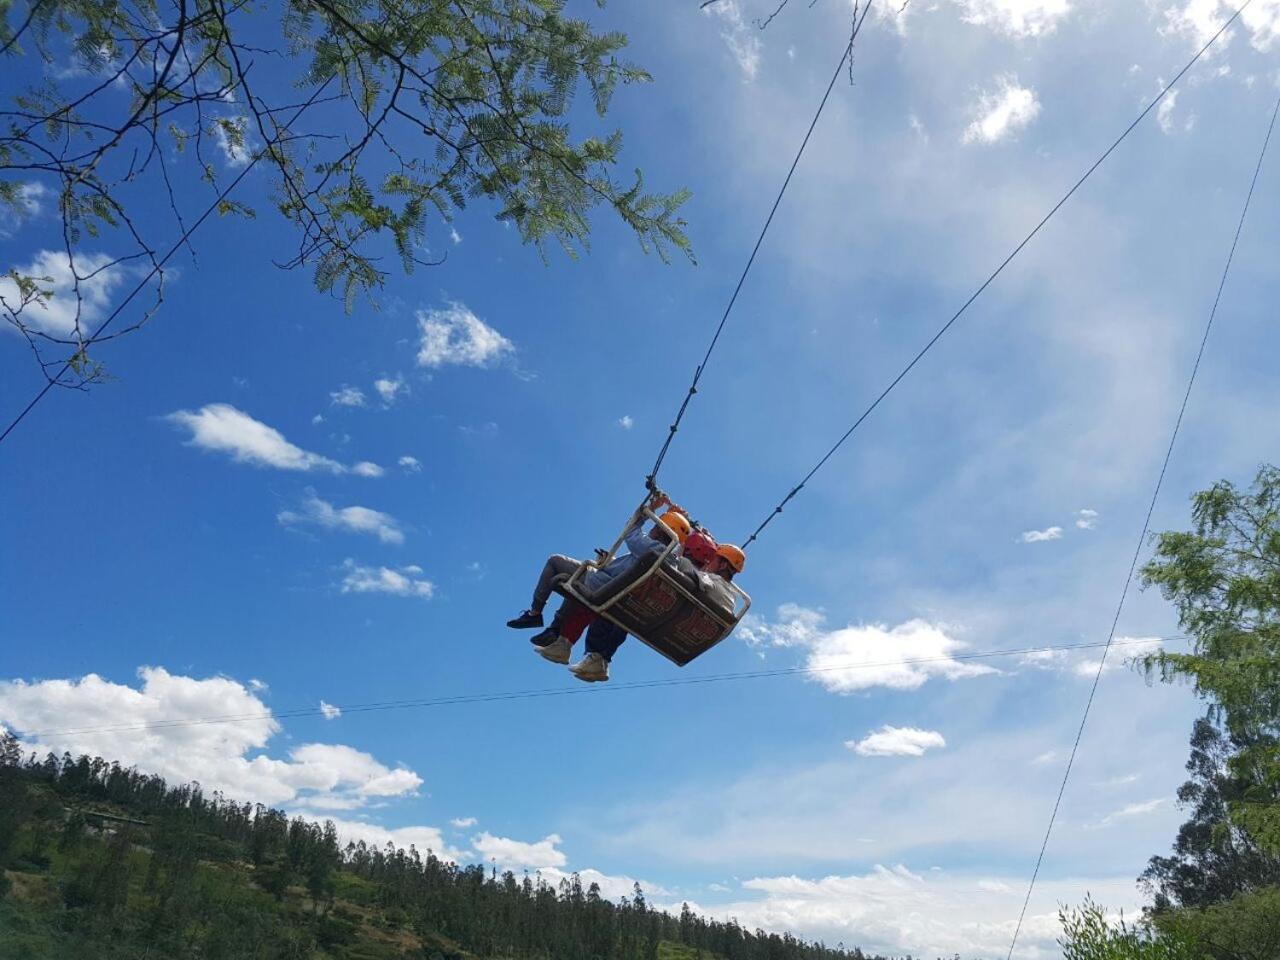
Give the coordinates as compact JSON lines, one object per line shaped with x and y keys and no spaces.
{"x":656,"y":608}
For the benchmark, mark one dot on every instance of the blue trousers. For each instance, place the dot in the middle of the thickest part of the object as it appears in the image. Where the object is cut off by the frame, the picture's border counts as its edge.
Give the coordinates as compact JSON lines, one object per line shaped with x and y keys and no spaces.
{"x":605,"y":637}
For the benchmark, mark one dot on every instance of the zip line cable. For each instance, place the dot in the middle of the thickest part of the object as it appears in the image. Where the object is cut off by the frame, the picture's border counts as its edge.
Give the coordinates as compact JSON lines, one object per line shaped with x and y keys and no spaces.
{"x":986,"y":283}
{"x":1146,"y":524}
{"x":159,"y":265}
{"x":301,"y":712}
{"x":651,"y":479}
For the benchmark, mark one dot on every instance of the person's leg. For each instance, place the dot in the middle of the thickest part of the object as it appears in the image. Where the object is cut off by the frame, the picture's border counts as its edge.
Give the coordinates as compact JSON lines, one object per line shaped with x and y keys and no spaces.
{"x":607,"y":639}
{"x":556,"y":565}
{"x":603,"y":640}
{"x":574,"y":623}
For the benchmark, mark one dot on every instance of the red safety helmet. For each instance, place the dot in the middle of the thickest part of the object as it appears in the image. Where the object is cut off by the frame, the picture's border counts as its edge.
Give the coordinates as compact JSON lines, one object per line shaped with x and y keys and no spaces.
{"x":700,"y":547}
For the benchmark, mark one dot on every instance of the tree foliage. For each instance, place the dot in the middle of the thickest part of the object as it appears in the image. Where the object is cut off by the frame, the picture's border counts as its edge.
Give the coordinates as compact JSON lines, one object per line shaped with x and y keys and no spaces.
{"x":1213,"y":859}
{"x":171,"y":872}
{"x":1089,"y":934}
{"x":376,"y":118}
{"x":1223,"y":577}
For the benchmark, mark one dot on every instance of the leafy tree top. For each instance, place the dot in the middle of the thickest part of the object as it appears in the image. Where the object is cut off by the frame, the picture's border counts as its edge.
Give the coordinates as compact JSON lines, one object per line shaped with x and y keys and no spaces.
{"x":375,"y":118}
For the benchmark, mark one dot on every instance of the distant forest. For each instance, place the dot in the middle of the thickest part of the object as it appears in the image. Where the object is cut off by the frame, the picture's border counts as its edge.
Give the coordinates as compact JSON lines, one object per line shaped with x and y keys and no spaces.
{"x":103,"y":861}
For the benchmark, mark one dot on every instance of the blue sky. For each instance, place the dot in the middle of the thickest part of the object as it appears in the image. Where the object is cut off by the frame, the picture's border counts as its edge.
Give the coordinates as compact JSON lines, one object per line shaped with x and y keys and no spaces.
{"x":178,"y":546}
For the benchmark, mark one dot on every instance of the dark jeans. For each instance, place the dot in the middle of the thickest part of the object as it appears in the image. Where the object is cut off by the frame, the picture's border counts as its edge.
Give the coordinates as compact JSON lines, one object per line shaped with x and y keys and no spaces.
{"x":605,"y":637}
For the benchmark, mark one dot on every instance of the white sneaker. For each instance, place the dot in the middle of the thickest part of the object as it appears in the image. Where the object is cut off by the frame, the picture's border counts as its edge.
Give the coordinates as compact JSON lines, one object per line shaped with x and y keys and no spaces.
{"x":591,"y":668}
{"x":557,"y":651}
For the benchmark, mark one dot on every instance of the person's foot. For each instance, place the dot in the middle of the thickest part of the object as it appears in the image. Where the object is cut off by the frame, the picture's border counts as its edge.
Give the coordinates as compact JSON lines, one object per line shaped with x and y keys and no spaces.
{"x":526,"y":620}
{"x":547,"y":636}
{"x":591,"y":668}
{"x":557,"y":651}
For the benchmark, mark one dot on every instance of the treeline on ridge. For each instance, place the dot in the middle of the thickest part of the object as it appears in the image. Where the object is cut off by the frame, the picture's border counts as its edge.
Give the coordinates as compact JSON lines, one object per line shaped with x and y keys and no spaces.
{"x":105,"y":855}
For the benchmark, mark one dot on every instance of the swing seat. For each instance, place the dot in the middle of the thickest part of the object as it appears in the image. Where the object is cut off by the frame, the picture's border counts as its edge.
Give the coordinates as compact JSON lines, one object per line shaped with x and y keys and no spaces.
{"x":660,"y":605}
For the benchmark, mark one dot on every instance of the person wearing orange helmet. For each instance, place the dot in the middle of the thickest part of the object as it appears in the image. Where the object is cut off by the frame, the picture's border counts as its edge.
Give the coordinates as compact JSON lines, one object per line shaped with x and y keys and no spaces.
{"x":550,"y":643}
{"x":605,"y":637}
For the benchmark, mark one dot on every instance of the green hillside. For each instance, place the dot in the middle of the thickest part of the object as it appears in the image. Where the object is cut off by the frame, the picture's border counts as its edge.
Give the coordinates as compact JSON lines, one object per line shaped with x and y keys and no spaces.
{"x":103,"y":862}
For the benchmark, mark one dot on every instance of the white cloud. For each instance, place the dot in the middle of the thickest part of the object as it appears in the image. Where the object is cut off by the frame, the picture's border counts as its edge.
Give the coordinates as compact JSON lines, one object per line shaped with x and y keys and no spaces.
{"x":456,"y":336}
{"x":1044,"y":759}
{"x":891,"y":741}
{"x":860,"y":657}
{"x":422,"y":838}
{"x":896,"y":911}
{"x":366,"y":469}
{"x":462,"y":823}
{"x":1016,"y":18}
{"x":258,"y":686}
{"x":410,"y":464}
{"x":741,"y":39}
{"x":519,"y":855}
{"x":329,"y":711}
{"x":1198,"y":20}
{"x":52,"y":271}
{"x":1164,"y":112}
{"x":317,"y":419}
{"x":351,"y":519}
{"x":221,"y":427}
{"x":1002,"y":112}
{"x":625,"y":422}
{"x":1087,"y":519}
{"x":454,"y":235}
{"x":347,"y":396}
{"x":1131,"y":810}
{"x":389,"y":390}
{"x":401,"y":583}
{"x":1040,"y":536}
{"x":98,"y":717}
{"x":1126,"y":648}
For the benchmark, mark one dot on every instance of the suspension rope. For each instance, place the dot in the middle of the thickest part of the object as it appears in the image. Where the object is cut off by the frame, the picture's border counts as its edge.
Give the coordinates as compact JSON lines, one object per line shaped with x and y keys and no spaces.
{"x":1146,"y":525}
{"x":159,"y":265}
{"x":580,"y":689}
{"x":652,"y":479}
{"x":986,"y":283}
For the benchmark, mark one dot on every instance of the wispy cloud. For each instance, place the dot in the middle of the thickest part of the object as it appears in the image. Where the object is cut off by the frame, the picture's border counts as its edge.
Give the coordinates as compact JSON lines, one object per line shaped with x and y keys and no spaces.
{"x":891,"y":741}
{"x":1086,"y":519}
{"x":390,"y":389}
{"x":402,"y":582}
{"x":741,"y":39}
{"x":1040,"y":536}
{"x":318,"y":512}
{"x":1131,"y":810}
{"x":1002,"y":112}
{"x":625,"y":422}
{"x":221,"y":427}
{"x":329,"y":711}
{"x":346,"y":396}
{"x":1016,"y":18}
{"x":409,"y":464}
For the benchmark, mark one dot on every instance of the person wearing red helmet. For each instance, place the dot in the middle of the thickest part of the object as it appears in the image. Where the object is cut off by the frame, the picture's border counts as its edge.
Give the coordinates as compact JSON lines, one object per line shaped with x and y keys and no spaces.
{"x":605,"y":637}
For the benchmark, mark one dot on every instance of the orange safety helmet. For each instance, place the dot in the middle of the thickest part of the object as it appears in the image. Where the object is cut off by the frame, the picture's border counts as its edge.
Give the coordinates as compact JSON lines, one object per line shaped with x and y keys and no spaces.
{"x":737,"y":559}
{"x":677,"y":523}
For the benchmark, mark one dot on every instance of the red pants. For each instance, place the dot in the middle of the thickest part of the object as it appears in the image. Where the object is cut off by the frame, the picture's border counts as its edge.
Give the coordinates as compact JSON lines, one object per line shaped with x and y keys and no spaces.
{"x":575,"y":621}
